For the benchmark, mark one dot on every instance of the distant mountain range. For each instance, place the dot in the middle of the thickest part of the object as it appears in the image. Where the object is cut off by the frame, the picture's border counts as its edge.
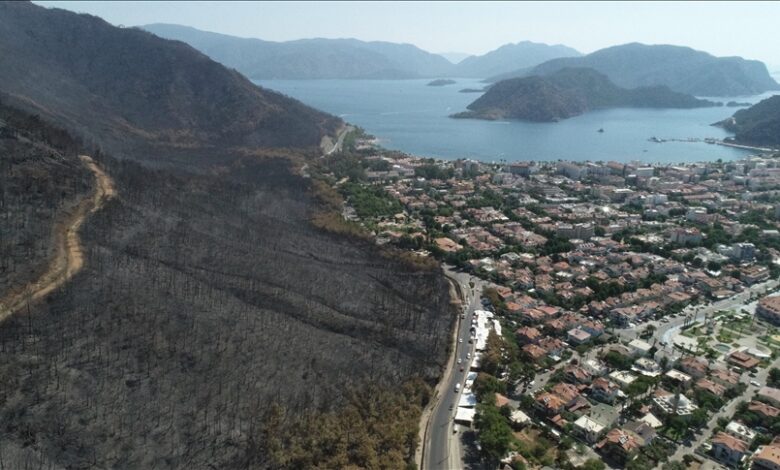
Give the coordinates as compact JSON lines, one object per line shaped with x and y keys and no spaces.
{"x":569,"y":92}
{"x":757,"y":125}
{"x":682,"y":69}
{"x":519,"y":56}
{"x":351,"y":58}
{"x":127,"y":87}
{"x":310,"y":58}
{"x":454,"y":57}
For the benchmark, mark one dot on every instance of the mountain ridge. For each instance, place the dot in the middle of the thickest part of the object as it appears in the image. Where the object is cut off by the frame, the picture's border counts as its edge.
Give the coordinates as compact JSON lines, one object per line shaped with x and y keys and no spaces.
{"x":135,"y":92}
{"x":349,"y":58}
{"x":523,"y":54}
{"x":682,"y":69}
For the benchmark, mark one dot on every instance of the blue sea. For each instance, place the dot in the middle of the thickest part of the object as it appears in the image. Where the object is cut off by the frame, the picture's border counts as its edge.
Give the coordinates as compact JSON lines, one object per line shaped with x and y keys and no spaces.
{"x":410,"y":116}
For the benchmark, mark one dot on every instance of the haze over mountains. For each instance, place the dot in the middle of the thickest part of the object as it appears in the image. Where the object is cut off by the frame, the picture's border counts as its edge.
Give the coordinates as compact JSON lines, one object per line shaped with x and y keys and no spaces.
{"x":569,"y":92}
{"x":682,"y":69}
{"x":351,"y":58}
{"x":521,"y":55}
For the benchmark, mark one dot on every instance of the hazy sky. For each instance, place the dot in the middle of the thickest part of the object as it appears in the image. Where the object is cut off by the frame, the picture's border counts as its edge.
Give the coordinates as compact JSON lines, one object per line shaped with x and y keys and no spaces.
{"x":748,"y":29}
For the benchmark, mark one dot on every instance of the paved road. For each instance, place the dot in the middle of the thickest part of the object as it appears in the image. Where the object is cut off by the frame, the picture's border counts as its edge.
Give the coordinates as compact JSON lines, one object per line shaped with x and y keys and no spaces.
{"x":442,"y":449}
{"x":665,"y":332}
{"x":725,"y":412}
{"x":339,"y":140}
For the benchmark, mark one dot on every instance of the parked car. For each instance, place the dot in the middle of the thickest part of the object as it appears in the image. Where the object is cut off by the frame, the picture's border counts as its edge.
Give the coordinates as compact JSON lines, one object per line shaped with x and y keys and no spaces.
{"x":755,"y":383}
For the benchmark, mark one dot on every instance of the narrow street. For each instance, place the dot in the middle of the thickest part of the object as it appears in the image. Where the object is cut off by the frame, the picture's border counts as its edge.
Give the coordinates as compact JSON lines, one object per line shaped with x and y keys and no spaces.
{"x":442,"y":444}
{"x":725,"y":412}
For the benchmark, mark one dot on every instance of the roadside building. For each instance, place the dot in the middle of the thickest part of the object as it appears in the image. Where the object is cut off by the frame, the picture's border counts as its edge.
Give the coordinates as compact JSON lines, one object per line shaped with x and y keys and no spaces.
{"x":588,"y":429}
{"x":769,"y":395}
{"x":743,"y":360}
{"x":767,"y":412}
{"x":740,"y":431}
{"x":728,"y":449}
{"x":768,"y":309}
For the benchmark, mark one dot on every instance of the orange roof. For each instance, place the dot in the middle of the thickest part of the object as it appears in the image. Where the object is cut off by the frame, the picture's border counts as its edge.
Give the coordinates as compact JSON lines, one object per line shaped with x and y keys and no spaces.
{"x":501,"y":400}
{"x":769,"y":454}
{"x":730,"y":442}
{"x":767,"y":410}
{"x":626,"y":440}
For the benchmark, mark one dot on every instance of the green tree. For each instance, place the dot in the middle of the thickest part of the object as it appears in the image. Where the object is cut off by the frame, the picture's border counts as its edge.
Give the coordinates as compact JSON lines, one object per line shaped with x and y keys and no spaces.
{"x":773,"y":379}
{"x":593,"y":464}
{"x":495,"y":435}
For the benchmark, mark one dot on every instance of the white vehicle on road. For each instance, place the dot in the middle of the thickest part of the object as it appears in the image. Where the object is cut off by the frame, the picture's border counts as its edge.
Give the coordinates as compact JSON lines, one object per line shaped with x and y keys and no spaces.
{"x":457,"y":388}
{"x":460,"y":360}
{"x":755,"y":383}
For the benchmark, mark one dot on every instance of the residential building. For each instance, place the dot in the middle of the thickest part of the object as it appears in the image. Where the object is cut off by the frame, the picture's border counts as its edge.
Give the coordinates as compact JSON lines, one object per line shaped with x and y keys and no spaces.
{"x":767,"y":457}
{"x":639,"y":348}
{"x":619,"y":445}
{"x":728,"y":449}
{"x":740,"y":431}
{"x":743,"y":360}
{"x":603,"y":390}
{"x":761,"y":408}
{"x":679,"y":378}
{"x":693,"y":366}
{"x":589,"y":429}
{"x":769,"y":395}
{"x":768,"y":309}
{"x":577,"y":336}
{"x":671,"y":403}
{"x":709,"y":386}
{"x":528,"y":335}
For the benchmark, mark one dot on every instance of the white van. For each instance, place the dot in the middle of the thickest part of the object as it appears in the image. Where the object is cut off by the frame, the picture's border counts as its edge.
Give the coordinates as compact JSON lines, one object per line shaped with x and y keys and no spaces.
{"x":457,"y":387}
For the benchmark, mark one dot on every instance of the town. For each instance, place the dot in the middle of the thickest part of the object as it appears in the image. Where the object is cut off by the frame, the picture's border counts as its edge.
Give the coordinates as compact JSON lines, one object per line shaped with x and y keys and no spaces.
{"x":622,"y":314}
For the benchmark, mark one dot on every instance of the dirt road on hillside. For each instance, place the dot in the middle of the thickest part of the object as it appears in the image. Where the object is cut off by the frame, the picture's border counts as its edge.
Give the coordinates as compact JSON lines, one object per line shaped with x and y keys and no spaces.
{"x":69,"y":256}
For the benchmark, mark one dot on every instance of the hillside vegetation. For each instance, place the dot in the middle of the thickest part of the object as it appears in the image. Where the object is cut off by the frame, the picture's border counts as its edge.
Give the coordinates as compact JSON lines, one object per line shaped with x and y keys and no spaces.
{"x":566,"y":93}
{"x":757,"y":125}
{"x":682,"y":69}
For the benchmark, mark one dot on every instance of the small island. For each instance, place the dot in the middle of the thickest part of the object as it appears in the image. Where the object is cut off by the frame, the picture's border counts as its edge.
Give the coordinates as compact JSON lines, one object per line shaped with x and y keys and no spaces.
{"x":442,"y":82}
{"x":737,"y":104}
{"x":566,"y":93}
{"x":473,"y":90}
